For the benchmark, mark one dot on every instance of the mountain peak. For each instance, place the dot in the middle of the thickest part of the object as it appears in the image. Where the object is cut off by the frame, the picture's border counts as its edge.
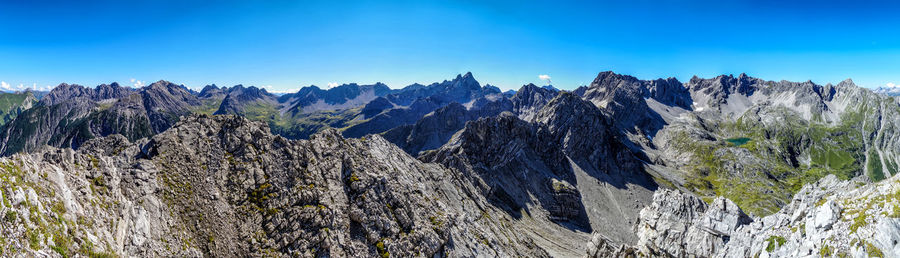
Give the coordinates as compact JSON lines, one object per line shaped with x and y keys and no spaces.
{"x":848,"y":81}
{"x":162,"y":83}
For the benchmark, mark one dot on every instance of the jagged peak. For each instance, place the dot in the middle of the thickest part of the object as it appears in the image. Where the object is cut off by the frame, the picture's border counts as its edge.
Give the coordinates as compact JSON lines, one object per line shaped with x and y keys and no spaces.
{"x":162,"y":83}
{"x":567,"y":98}
{"x":209,"y":88}
{"x":467,"y":78}
{"x":529,"y":86}
{"x":847,"y":82}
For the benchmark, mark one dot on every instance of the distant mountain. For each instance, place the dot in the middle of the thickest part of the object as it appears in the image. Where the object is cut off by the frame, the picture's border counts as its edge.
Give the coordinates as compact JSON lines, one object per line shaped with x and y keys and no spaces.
{"x":250,"y":101}
{"x":890,"y":91}
{"x":550,"y":88}
{"x":212,"y":91}
{"x":65,"y":92}
{"x":13,"y":104}
{"x":413,"y":102}
{"x":312,"y":98}
{"x":462,"y":89}
{"x":509,"y":93}
{"x":72,"y":114}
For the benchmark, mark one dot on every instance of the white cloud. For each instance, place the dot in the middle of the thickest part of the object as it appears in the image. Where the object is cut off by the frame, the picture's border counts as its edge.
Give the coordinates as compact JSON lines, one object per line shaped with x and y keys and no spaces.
{"x":137,"y":83}
{"x":332,"y":85}
{"x":544,"y":77}
{"x":891,"y":85}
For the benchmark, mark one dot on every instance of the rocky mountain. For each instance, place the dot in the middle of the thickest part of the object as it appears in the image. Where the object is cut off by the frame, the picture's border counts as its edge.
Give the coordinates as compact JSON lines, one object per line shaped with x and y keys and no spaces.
{"x":413,"y":102}
{"x":730,"y":166}
{"x":225,"y":186}
{"x":250,"y":101}
{"x":65,"y":92}
{"x":436,"y":128}
{"x":70,"y":115}
{"x":892,"y":90}
{"x":562,"y":175}
{"x":755,"y":141}
{"x":312,"y":98}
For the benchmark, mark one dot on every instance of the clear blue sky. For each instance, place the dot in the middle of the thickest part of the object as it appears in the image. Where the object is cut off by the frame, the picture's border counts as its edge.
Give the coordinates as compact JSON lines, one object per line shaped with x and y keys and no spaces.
{"x":291,"y":44}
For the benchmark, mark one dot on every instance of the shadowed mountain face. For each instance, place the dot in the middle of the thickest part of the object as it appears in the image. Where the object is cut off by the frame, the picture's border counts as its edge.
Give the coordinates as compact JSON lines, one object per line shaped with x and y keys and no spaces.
{"x":566,"y":169}
{"x":434,"y":129}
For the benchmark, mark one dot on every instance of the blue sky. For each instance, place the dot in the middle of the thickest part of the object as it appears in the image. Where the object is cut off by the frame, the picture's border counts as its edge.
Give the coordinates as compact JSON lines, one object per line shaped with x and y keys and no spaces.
{"x":288,"y":44}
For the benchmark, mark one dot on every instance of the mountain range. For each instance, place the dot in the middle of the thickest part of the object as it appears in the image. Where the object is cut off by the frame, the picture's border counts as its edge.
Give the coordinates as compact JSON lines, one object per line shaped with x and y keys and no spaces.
{"x":725,"y":166}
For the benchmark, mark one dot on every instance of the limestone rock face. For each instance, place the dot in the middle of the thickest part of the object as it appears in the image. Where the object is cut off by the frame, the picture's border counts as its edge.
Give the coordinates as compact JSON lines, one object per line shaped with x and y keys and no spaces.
{"x":830,"y":218}
{"x":679,"y":224}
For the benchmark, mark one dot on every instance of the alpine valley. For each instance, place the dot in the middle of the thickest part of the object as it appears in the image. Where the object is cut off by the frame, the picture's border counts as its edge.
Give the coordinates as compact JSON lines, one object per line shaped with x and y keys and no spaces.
{"x":731,"y":166}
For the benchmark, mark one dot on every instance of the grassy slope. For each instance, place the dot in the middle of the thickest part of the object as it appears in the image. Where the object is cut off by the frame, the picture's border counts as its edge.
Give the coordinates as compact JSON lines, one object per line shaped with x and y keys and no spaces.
{"x":793,"y":153}
{"x":300,"y":125}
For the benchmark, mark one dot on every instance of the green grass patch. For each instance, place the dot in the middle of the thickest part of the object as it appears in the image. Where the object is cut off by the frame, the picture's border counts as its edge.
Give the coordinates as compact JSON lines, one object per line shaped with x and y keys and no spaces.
{"x":774,"y":242}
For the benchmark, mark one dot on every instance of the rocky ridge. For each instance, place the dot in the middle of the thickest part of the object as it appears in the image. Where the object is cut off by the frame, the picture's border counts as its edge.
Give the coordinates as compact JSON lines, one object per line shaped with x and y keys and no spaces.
{"x":225,"y":186}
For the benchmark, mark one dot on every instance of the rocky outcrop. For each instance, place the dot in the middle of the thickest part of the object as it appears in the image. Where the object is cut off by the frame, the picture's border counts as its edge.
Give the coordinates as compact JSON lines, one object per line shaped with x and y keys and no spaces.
{"x":681,"y":225}
{"x":830,"y":218}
